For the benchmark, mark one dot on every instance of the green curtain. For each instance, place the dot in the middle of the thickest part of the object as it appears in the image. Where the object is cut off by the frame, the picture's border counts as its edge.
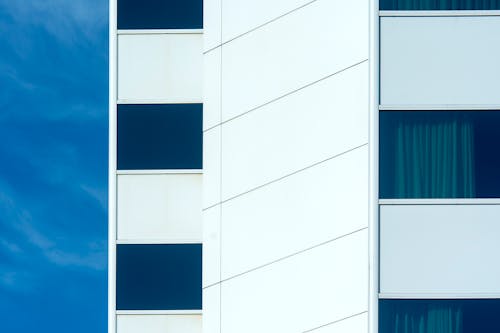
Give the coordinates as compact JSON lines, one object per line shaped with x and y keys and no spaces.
{"x":431,"y":319}
{"x":434,"y":157}
{"x":439,"y":4}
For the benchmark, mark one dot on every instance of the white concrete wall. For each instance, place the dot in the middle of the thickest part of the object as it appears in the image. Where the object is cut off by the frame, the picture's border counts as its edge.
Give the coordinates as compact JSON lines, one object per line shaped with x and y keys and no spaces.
{"x":285,"y":167}
{"x":440,"y":60}
{"x":439,"y":249}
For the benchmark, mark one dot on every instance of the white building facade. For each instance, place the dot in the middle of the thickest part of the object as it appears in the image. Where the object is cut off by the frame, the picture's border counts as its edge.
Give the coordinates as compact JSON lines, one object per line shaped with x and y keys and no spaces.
{"x":304,"y":166}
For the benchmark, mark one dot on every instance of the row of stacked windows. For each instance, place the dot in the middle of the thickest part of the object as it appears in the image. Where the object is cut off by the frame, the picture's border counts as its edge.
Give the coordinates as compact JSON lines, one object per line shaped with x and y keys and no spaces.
{"x":445,"y":154}
{"x":152,"y":138}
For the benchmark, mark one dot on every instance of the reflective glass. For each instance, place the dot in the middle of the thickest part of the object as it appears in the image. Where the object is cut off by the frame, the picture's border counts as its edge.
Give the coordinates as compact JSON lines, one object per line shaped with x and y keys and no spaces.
{"x":439,"y":316}
{"x":159,"y":136}
{"x":160,"y":14}
{"x":158,"y":277}
{"x":439,"y":154}
{"x":439,"y":4}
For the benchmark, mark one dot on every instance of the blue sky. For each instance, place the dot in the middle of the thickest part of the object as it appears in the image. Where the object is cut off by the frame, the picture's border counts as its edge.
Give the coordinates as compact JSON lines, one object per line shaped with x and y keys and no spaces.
{"x":53,"y":165}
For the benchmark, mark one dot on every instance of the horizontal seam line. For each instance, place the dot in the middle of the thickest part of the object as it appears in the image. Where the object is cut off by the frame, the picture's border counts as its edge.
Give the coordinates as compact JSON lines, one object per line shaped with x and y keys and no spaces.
{"x":268,"y":22}
{"x":287,"y":94}
{"x":211,"y":49}
{"x":293,"y":254}
{"x":294,"y":172}
{"x":211,"y":206}
{"x":336,"y":321}
{"x":285,"y":176}
{"x":260,"y":26}
{"x":211,"y":285}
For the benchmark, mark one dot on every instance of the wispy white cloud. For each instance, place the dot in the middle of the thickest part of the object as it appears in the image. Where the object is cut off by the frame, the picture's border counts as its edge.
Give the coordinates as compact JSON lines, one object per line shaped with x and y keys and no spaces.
{"x":89,"y":255}
{"x":10,"y":246}
{"x":53,"y":68}
{"x":69,"y":21}
{"x":94,"y":259}
{"x":100,"y":194}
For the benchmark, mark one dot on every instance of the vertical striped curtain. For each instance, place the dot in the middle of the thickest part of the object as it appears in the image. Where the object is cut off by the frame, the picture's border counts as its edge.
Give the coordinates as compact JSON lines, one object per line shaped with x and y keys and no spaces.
{"x":434,"y":157}
{"x":439,"y":4}
{"x":431,"y":319}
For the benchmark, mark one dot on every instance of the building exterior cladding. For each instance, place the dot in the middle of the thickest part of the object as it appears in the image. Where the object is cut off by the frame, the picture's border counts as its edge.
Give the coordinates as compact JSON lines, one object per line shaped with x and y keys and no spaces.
{"x":304,"y":166}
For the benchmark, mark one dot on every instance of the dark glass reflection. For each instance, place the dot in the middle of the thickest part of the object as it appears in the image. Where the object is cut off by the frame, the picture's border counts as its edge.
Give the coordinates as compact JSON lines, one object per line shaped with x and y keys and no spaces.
{"x":439,"y":4}
{"x":160,"y":14}
{"x":439,"y":154}
{"x":439,"y":316}
{"x":159,"y":136}
{"x":158,"y":277}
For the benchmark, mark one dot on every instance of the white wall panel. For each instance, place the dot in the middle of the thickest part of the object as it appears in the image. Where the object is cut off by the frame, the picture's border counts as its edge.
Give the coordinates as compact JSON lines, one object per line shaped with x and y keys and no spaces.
{"x":159,"y":324}
{"x":211,"y":167}
{"x":211,"y":88}
{"x":356,"y":324}
{"x":308,"y":290}
{"x":313,"y":124}
{"x":166,"y":207}
{"x":211,"y":309}
{"x":240,"y":16}
{"x":211,"y":23}
{"x":440,"y":60}
{"x":439,"y":249}
{"x":166,"y":67}
{"x":306,"y":209}
{"x":292,"y":52}
{"x":211,"y":245}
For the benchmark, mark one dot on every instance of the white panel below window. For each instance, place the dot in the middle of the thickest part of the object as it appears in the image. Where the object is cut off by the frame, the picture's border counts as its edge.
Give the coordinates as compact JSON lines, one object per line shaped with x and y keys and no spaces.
{"x":158,"y":324}
{"x":440,"y":60}
{"x":439,"y":249}
{"x":159,"y":207}
{"x":160,"y":67}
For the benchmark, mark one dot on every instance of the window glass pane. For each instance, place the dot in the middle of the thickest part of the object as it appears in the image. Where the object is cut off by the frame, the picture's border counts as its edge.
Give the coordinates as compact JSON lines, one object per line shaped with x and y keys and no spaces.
{"x":159,"y":136}
{"x":439,"y":316}
{"x":439,"y":4}
{"x":439,"y":154}
{"x":160,"y":14}
{"x":158,"y":277}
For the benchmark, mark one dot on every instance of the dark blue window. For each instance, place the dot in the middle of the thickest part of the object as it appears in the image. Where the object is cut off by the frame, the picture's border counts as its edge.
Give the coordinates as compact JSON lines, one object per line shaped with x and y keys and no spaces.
{"x":439,"y":154}
{"x":439,"y":4}
{"x":439,"y":316}
{"x":160,"y":14}
{"x":158,"y":277}
{"x":159,"y":136}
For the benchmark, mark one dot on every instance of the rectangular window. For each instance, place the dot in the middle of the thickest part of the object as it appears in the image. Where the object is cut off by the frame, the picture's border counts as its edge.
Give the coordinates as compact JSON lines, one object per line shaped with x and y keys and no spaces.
{"x":160,"y":14}
{"x":159,"y":136}
{"x":439,"y":5}
{"x":158,"y":277}
{"x":439,"y":154}
{"x":439,"y":316}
